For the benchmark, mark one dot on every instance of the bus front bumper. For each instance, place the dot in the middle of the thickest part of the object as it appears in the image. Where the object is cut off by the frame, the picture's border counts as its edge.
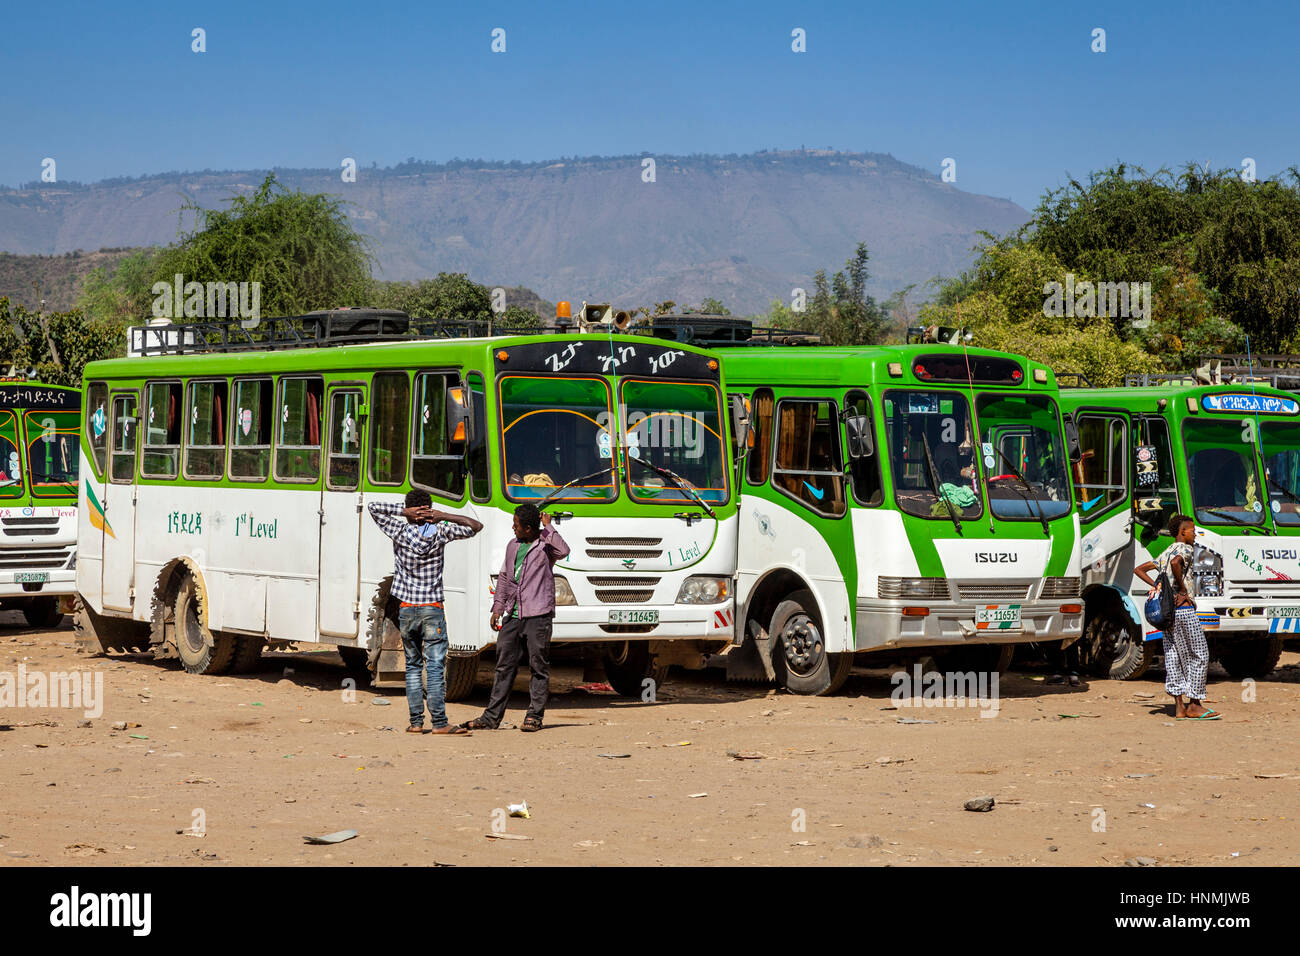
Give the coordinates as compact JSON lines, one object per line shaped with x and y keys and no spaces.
{"x":711,"y":622}
{"x":883,"y":625}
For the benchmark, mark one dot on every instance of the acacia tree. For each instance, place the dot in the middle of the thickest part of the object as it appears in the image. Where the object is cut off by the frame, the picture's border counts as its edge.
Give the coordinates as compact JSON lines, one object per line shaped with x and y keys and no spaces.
{"x":55,"y":346}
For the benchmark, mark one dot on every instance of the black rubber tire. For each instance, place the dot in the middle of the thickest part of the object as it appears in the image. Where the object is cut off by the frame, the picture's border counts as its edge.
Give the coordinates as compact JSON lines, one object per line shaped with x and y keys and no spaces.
{"x":1099,"y":644}
{"x":980,"y":658}
{"x":1253,"y":657}
{"x":97,"y":634}
{"x":628,"y":665}
{"x":43,"y":612}
{"x":458,"y":674}
{"x":191,"y":644}
{"x":248,"y":653}
{"x":1133,"y":656}
{"x":823,"y":673}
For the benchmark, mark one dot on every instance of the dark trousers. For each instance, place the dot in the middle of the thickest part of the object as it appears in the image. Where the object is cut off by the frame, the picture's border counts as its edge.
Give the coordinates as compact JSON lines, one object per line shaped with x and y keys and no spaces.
{"x":514,"y":634}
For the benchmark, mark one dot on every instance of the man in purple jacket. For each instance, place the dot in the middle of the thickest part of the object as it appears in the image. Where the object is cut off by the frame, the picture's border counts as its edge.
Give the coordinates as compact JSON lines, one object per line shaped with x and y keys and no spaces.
{"x":523,"y":609}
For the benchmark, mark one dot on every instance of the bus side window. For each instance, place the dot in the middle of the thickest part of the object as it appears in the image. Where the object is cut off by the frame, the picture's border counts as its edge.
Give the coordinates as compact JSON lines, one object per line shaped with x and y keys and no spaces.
{"x":250,"y":430}
{"x":297,"y":448}
{"x":343,"y":464}
{"x":124,"y":422}
{"x":96,"y":417}
{"x":761,"y":423}
{"x":11,"y":469}
{"x":162,"y":433}
{"x":435,"y":463}
{"x":867,"y":489}
{"x":808,"y":455}
{"x":477,"y":451}
{"x":1157,"y":435}
{"x":390,"y":406}
{"x":205,"y":450}
{"x":1100,"y":474}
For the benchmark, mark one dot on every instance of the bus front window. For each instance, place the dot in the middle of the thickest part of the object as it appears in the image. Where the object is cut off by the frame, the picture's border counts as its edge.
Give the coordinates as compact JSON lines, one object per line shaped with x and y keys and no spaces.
{"x":1222,"y":472}
{"x":52,"y":452}
{"x":1022,"y":436}
{"x":674,"y":425}
{"x":11,"y":468}
{"x":555,"y":431}
{"x":932,"y":453}
{"x":1282,"y":470}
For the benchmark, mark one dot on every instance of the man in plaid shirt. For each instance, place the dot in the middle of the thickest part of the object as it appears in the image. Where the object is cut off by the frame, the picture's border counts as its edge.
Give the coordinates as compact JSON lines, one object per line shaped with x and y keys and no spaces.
{"x":419,"y":533}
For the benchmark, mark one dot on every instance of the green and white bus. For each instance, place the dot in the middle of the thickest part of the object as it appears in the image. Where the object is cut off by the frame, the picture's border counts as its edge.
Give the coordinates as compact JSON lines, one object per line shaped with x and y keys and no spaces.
{"x":39,"y":458}
{"x":226,"y":480}
{"x":899,"y":499}
{"x":1228,"y":456}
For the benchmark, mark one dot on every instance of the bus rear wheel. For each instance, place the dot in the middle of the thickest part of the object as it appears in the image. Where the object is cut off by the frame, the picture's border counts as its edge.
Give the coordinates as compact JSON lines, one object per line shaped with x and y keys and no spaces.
{"x":629,"y":665}
{"x":199,"y":649}
{"x":43,"y":612}
{"x":799,"y":657}
{"x":1098,"y":645}
{"x":1251,"y":657}
{"x":459,"y":674}
{"x":1133,"y":655}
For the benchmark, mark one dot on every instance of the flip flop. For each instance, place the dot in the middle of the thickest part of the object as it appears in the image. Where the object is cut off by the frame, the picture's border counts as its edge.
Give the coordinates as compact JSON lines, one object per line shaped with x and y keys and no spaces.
{"x":451,"y":730}
{"x":1208,"y":715}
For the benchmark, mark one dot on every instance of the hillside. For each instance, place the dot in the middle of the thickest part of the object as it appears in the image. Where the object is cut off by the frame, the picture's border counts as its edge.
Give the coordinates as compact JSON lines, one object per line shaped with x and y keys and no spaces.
{"x":743,"y":229}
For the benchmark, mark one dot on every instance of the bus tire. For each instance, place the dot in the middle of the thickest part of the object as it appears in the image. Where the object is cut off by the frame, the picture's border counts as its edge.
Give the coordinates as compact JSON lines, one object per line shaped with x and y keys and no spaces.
{"x":629,"y":665}
{"x":459,"y":674}
{"x":97,"y":634}
{"x":799,"y":655}
{"x":1133,"y":655}
{"x":248,"y":653}
{"x":200,"y":650}
{"x":43,"y":612}
{"x":1253,"y":657}
{"x":1099,"y":645}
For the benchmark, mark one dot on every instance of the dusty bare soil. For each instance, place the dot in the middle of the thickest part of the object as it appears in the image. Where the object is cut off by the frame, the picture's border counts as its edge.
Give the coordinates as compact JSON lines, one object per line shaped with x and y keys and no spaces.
{"x":264,"y":759}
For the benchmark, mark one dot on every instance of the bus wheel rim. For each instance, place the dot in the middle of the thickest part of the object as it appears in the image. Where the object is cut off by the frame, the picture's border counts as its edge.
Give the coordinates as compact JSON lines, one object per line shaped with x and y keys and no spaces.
{"x":802,"y":643}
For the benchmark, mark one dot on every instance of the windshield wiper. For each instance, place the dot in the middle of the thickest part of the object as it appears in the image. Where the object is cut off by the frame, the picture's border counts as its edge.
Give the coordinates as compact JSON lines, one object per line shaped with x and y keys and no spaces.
{"x":934,"y":483}
{"x":1041,"y":519}
{"x":1233,"y":518}
{"x":569,"y":484}
{"x":1284,"y":489}
{"x":679,"y":481}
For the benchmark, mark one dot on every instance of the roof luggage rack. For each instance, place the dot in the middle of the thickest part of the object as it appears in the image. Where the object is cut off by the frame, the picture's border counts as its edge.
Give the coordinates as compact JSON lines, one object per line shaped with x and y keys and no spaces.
{"x":720,"y":331}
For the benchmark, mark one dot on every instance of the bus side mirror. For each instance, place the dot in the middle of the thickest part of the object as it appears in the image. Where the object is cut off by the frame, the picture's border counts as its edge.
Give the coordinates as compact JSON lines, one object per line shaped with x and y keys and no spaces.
{"x":1072,"y":448}
{"x":857,"y":428}
{"x":457,"y":415}
{"x":740,"y":423}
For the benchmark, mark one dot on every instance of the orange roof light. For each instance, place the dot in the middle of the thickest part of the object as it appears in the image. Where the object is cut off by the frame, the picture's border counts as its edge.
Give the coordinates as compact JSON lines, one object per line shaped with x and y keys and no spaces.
{"x":713,"y":365}
{"x":562,"y":310}
{"x":502,"y":355}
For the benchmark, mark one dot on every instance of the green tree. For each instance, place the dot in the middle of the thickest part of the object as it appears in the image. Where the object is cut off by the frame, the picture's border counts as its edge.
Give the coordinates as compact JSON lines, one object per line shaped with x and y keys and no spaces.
{"x":840,"y":310}
{"x":450,"y":295}
{"x":56,"y":346}
{"x":122,"y":294}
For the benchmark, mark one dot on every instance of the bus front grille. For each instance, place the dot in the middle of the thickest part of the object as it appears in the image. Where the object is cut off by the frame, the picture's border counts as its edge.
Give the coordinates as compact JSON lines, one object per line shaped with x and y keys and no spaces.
{"x":33,"y":558}
{"x":622,"y":553}
{"x":921,"y":589}
{"x":622,"y":581}
{"x":624,"y":596}
{"x":30,"y":526}
{"x":993,"y":592}
{"x":1060,"y":588}
{"x":607,"y":547}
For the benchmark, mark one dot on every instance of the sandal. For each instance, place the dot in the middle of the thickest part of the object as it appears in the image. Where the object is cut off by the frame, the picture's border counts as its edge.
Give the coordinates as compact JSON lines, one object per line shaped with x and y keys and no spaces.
{"x":1208,"y":715}
{"x":531,"y":725}
{"x":458,"y":729}
{"x":478,"y":723}
{"x":415,"y":729}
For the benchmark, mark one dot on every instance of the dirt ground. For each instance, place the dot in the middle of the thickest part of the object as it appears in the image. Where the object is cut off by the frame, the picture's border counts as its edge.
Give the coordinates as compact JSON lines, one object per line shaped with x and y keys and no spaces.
{"x":264,"y":759}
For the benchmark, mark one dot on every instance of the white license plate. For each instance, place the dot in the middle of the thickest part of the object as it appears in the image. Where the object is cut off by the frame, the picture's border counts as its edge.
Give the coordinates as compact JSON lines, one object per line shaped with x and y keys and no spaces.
{"x":997,"y":617}
{"x":633,"y":617}
{"x":40,"y":577}
{"x":1283,"y":611}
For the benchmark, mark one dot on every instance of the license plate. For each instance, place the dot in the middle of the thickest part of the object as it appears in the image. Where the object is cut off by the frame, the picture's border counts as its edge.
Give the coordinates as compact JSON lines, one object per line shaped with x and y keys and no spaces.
{"x":1284,"y":611}
{"x":40,"y":577}
{"x":997,"y":617}
{"x":633,"y":617}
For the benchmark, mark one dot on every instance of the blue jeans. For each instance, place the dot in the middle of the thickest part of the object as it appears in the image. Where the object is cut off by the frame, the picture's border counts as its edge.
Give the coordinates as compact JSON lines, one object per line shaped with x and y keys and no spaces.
{"x":424,"y":638}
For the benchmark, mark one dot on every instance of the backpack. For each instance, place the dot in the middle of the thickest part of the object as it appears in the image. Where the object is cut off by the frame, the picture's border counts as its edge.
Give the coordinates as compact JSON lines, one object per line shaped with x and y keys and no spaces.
{"x":1160,"y":603}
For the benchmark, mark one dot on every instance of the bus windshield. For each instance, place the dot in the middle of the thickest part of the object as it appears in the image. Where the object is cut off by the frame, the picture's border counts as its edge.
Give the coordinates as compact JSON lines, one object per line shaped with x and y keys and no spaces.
{"x":1282,"y":470}
{"x":553,"y":431}
{"x":1222,"y":472}
{"x":931,"y":452}
{"x":52,"y":452}
{"x":11,"y":467}
{"x":1020,"y":437}
{"x":674,"y":425}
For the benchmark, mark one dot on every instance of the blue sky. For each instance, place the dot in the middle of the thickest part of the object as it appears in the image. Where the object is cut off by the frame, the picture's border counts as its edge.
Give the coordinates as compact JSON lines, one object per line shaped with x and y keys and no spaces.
{"x":1011,"y":91}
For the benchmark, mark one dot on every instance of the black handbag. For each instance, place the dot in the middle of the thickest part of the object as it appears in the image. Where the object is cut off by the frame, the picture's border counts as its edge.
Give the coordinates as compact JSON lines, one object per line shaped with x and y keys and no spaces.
{"x":1160,"y":603}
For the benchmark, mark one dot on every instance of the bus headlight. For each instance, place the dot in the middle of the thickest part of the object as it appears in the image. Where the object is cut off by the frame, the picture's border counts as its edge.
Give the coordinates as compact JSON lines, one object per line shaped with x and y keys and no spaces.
{"x":563,"y":593}
{"x":1207,"y":573}
{"x":703,"y":589}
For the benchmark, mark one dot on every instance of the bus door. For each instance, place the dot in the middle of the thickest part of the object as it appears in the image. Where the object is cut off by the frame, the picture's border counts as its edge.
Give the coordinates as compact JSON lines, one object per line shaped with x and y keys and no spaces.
{"x":1155,"y":492}
{"x":1102,"y":488}
{"x":340,"y":512}
{"x":118,"y":573}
